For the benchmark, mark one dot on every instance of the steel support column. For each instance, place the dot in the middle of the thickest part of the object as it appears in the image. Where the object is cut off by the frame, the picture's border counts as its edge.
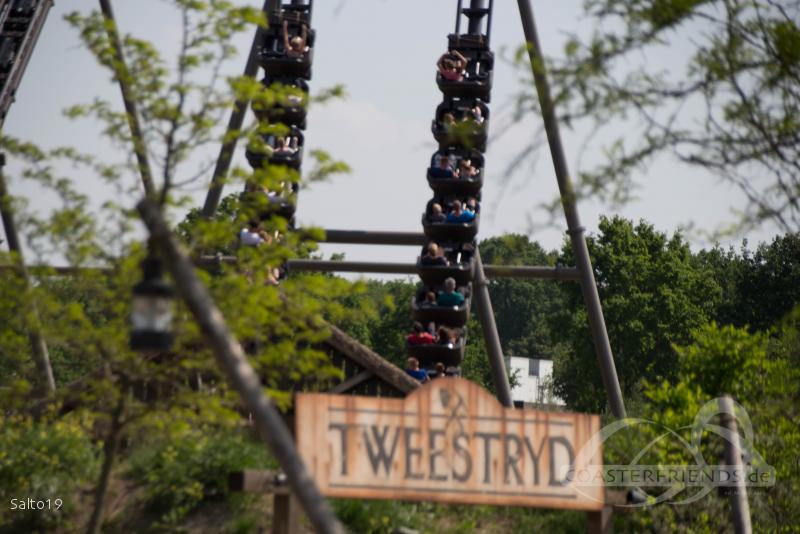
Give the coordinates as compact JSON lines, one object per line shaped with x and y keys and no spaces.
{"x":41,"y":355}
{"x":574,"y":228}
{"x":490,"y":336}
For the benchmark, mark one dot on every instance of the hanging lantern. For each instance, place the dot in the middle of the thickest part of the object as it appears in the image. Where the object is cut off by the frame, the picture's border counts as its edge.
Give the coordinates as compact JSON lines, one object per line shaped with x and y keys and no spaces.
{"x":151,"y":316}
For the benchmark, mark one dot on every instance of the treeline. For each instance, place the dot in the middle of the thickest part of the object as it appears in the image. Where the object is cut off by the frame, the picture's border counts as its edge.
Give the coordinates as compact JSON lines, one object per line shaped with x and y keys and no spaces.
{"x":655,"y":292}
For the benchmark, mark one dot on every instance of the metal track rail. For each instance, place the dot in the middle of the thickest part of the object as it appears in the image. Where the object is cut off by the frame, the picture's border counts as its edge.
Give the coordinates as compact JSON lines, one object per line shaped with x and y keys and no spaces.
{"x":20,"y":26}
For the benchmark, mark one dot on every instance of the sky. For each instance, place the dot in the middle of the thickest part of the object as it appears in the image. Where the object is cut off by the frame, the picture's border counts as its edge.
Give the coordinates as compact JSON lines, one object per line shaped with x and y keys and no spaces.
{"x":384,"y":52}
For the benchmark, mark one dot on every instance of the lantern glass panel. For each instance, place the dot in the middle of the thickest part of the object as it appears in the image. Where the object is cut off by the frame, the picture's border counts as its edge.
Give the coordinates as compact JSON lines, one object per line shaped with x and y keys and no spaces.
{"x":152,"y":313}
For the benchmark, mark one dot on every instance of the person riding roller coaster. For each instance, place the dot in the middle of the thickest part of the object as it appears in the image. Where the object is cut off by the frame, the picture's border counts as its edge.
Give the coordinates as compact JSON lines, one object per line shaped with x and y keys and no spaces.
{"x":439,"y":371}
{"x":434,"y":256}
{"x":286,"y":146}
{"x":459,"y":214}
{"x":419,"y":336}
{"x":448,"y":166}
{"x":450,"y":296}
{"x":253,"y":235}
{"x":413,"y":370}
{"x":436,"y":214}
{"x":452,"y":65}
{"x":295,"y":46}
{"x":444,"y":169}
{"x":447,"y":336}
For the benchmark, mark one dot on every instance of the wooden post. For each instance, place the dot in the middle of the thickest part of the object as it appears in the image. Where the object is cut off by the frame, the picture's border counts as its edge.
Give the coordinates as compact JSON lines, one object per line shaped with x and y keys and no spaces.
{"x":285,"y":514}
{"x":41,"y":356}
{"x":233,"y":361}
{"x":740,"y":507}
{"x":601,"y":522}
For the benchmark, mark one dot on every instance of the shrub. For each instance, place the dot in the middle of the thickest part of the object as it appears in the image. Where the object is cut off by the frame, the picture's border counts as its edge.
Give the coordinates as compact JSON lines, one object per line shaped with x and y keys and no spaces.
{"x":191,"y":465}
{"x":43,"y":460}
{"x":377,"y":517}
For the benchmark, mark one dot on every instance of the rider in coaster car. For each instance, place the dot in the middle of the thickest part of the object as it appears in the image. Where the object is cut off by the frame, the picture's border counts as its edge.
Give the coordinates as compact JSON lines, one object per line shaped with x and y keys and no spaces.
{"x":296,"y":46}
{"x":444,"y":169}
{"x":419,"y":336}
{"x":252,"y":235}
{"x":452,"y":66}
{"x":284,"y":147}
{"x":437,"y":215}
{"x":465,"y":169}
{"x":413,"y":370}
{"x":447,"y":337}
{"x":459,"y":215}
{"x":450,"y":296}
{"x":439,"y":371}
{"x":474,"y":114}
{"x":434,"y":256}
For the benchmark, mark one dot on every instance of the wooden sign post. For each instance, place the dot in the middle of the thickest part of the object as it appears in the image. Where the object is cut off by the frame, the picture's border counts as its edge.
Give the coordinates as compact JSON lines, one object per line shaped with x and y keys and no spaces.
{"x":449,"y":441}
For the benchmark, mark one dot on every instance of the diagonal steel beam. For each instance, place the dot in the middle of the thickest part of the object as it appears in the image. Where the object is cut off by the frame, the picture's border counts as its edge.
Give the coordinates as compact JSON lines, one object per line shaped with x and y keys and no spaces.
{"x":574,"y":228}
{"x":41,"y":356}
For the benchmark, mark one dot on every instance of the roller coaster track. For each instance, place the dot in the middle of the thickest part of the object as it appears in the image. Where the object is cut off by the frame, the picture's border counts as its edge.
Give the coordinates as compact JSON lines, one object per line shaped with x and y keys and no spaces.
{"x":287,"y":71}
{"x":21,"y":23}
{"x":456,"y":175}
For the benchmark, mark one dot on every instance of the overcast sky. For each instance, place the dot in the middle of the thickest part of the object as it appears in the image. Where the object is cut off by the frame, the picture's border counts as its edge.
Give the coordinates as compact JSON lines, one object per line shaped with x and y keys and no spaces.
{"x":384,"y":52}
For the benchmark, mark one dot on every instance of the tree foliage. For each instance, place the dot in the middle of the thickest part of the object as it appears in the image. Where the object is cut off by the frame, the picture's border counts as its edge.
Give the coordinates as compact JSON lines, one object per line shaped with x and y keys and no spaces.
{"x":653,"y":297}
{"x":711,"y":83}
{"x":760,"y":286}
{"x":522,"y":307}
{"x":762,"y":376}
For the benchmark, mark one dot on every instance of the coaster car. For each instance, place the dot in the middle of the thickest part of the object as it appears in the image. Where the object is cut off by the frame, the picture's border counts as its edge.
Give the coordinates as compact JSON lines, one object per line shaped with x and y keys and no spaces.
{"x":290,"y":106}
{"x":429,"y":355}
{"x":267,"y":205}
{"x":461,"y":123}
{"x":279,"y":150}
{"x":476,"y":81}
{"x":445,"y":232}
{"x":453,"y":316}
{"x":272,"y":54}
{"x":461,"y":269}
{"x":444,"y":181}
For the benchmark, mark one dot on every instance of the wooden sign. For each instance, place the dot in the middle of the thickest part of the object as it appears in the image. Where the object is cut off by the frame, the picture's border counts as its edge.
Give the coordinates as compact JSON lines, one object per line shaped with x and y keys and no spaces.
{"x":449,"y":441}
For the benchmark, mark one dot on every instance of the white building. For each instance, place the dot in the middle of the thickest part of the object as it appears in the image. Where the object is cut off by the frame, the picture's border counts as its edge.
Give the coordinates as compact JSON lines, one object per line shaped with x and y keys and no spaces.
{"x":534,"y":381}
